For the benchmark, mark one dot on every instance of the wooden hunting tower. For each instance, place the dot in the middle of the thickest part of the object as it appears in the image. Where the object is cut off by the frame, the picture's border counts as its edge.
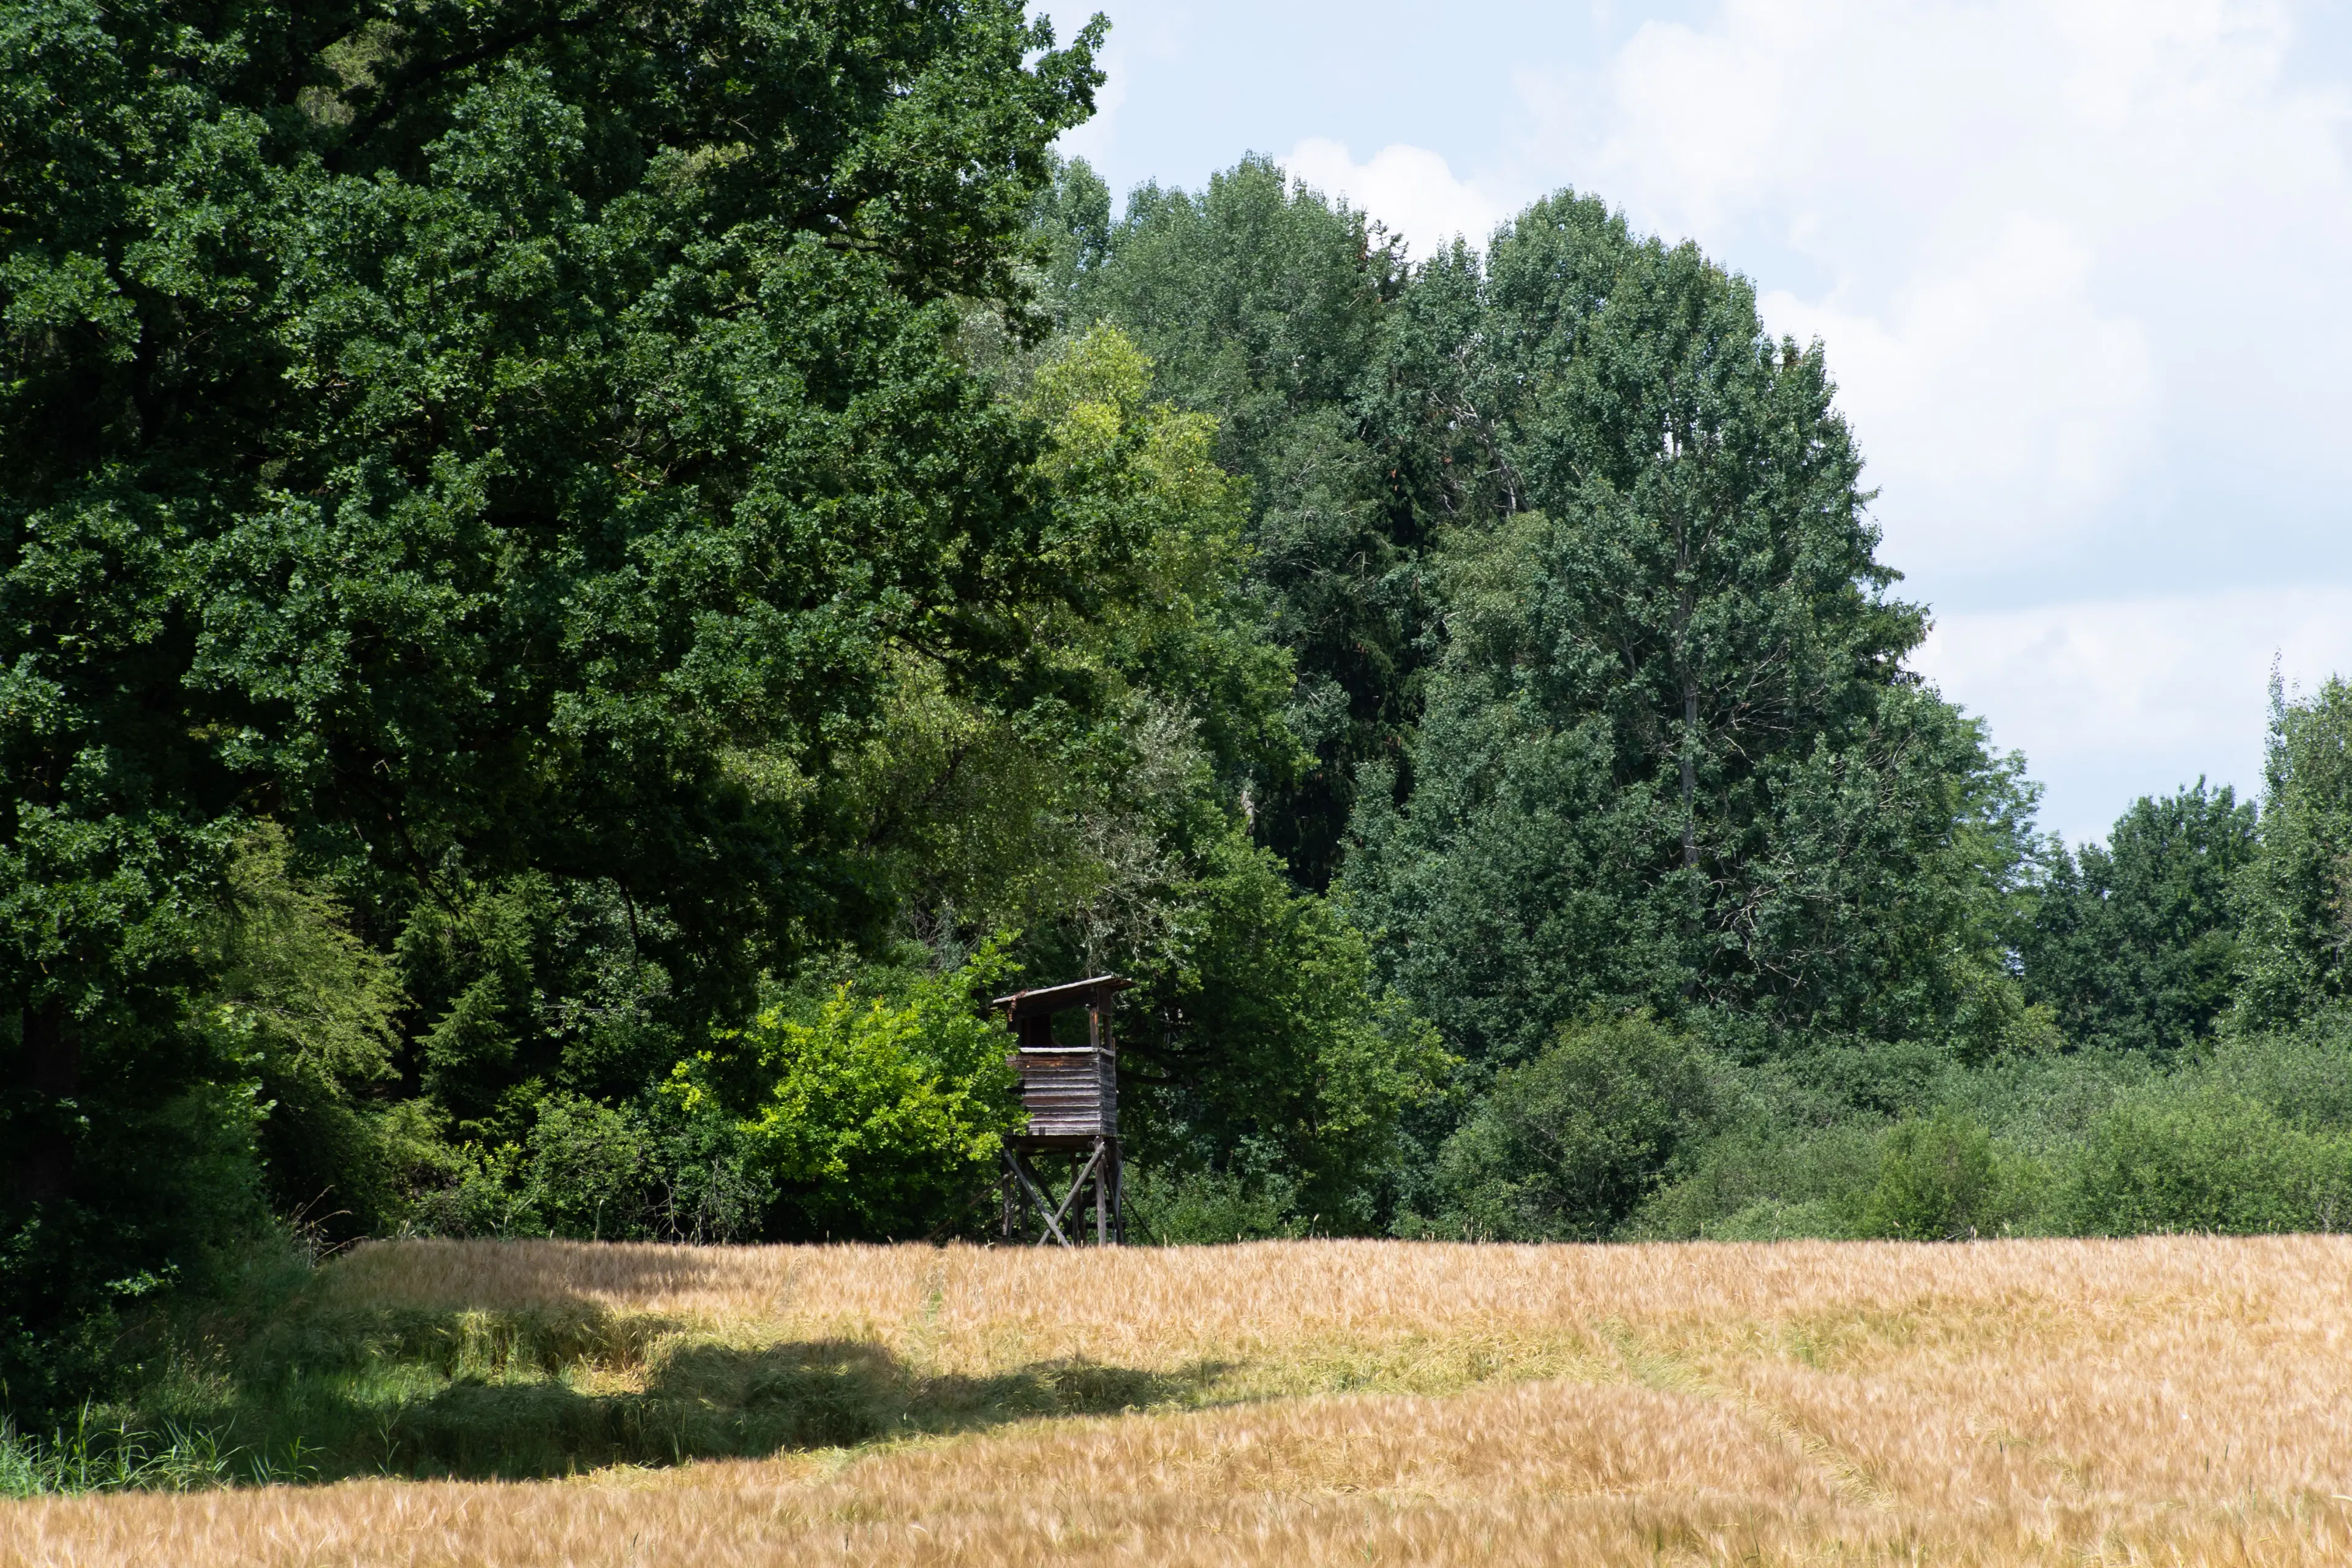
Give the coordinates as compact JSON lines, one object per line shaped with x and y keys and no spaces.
{"x":1071,"y":1090}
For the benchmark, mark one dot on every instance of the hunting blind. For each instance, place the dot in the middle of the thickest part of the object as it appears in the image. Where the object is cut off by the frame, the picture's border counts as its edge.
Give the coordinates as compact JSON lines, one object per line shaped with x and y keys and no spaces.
{"x":1070,"y":1088}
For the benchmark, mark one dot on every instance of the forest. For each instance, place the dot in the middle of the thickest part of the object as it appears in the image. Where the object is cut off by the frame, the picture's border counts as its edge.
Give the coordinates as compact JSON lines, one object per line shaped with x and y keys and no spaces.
{"x":580,"y":586}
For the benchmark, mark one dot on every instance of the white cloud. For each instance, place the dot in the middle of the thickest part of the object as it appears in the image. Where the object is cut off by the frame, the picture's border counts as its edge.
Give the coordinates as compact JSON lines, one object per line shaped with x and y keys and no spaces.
{"x":1995,"y":401}
{"x":2115,"y":699}
{"x":2060,"y":250}
{"x":1409,"y":189}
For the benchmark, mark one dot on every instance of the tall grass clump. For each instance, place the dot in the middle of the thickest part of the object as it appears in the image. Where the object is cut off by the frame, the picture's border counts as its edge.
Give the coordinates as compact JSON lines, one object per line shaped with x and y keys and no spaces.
{"x":96,"y":1454}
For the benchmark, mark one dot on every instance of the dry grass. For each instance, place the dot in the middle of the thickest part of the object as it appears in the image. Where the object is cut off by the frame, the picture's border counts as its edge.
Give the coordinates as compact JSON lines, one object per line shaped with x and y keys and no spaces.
{"x":2162,"y":1399}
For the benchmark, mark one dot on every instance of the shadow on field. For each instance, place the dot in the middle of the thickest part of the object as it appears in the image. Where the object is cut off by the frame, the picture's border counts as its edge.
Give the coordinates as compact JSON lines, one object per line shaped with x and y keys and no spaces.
{"x":513,"y":1396}
{"x":712,"y":1401}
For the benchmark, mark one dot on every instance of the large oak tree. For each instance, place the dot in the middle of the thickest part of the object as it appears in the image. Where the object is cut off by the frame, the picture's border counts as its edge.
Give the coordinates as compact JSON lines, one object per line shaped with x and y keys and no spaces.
{"x":485,"y":437}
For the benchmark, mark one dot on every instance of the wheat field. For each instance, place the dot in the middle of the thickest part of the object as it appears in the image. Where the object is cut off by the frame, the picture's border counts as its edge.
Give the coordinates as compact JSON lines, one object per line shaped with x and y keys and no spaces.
{"x":2165,"y":1400}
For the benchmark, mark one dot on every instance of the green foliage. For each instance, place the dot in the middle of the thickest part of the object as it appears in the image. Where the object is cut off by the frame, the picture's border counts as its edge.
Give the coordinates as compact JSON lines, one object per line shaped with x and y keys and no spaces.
{"x":463,"y":435}
{"x":2253,"y":1134}
{"x":1076,"y":815}
{"x":2292,"y":896}
{"x":1778,"y":1219}
{"x":510,"y":433}
{"x":1262,"y":304}
{"x":168,"y":1211}
{"x":560,"y":576}
{"x":1263,"y":1038}
{"x":91,"y":1458}
{"x":1669,"y":755}
{"x":1939,"y":1179}
{"x":2198,"y":1157}
{"x":1113,"y":834}
{"x":1172,"y":619}
{"x":643,"y":1170}
{"x":312,"y":1012}
{"x":1566,"y":1146}
{"x":2135,"y":946}
{"x":529,"y":985}
{"x":1763,"y":1176}
{"x":1253,"y":1202}
{"x":874,"y":1116}
{"x":1807,"y":1142}
{"x":2303,"y":1076}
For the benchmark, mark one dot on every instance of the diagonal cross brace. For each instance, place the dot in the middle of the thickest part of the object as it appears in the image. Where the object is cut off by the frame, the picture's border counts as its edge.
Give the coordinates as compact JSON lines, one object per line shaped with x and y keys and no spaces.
{"x":1052,"y":1214}
{"x":1078,"y":1183}
{"x":1028,"y":1183}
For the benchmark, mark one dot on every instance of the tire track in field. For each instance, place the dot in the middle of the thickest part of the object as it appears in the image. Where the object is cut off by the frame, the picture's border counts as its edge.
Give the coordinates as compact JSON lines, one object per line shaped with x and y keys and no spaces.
{"x":1652,"y":1367}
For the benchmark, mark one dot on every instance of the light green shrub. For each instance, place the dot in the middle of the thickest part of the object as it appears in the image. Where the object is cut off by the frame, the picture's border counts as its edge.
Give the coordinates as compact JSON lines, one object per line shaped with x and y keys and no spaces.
{"x":874,"y":1116}
{"x":1941,"y":1178}
{"x":2200,"y":1157}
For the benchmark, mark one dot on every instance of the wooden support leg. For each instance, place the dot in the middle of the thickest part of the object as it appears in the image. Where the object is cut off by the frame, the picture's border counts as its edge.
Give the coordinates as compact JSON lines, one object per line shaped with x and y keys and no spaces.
{"x":1102,"y":1172}
{"x":1077,"y":1186}
{"x":1045,"y":1209}
{"x":1102,"y":1192}
{"x":1117,"y":1195}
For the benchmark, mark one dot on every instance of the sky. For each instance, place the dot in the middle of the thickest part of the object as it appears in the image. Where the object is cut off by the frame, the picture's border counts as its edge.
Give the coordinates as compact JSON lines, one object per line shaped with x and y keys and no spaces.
{"x":2083,"y":269}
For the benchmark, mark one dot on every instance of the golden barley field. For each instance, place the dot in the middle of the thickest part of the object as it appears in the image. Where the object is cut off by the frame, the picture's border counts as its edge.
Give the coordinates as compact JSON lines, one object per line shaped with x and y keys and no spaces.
{"x":2162,"y":1401}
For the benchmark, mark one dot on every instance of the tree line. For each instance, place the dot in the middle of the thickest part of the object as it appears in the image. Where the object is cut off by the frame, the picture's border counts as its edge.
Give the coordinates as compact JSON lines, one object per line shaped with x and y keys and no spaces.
{"x":581,"y":585}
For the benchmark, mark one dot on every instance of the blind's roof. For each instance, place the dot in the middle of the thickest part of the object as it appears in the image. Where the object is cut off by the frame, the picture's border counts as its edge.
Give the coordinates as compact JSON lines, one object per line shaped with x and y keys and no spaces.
{"x":1059,"y":998}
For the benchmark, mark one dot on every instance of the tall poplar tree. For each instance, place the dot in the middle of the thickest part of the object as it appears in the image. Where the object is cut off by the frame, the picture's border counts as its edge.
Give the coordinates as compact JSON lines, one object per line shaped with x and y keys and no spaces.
{"x":2293,"y":897}
{"x":1670,"y":756}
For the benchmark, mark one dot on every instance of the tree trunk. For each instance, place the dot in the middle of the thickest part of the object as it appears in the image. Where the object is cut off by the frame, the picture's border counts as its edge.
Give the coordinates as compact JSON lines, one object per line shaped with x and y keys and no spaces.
{"x":52,"y":1072}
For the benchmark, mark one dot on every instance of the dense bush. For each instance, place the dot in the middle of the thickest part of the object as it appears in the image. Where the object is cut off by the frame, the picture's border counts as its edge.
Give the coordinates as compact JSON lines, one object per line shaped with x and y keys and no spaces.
{"x":872,"y":1115}
{"x":1764,"y":1176}
{"x":1939,"y":1179}
{"x":2303,"y":1076}
{"x":1264,"y":1041}
{"x":2199,"y":1157}
{"x":1253,"y":1202}
{"x":643,"y":1171}
{"x":1566,"y":1146}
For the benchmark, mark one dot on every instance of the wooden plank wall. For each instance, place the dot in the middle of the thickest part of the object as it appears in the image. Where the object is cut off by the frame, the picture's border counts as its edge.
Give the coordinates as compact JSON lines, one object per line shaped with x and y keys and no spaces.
{"x":1070,"y":1091}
